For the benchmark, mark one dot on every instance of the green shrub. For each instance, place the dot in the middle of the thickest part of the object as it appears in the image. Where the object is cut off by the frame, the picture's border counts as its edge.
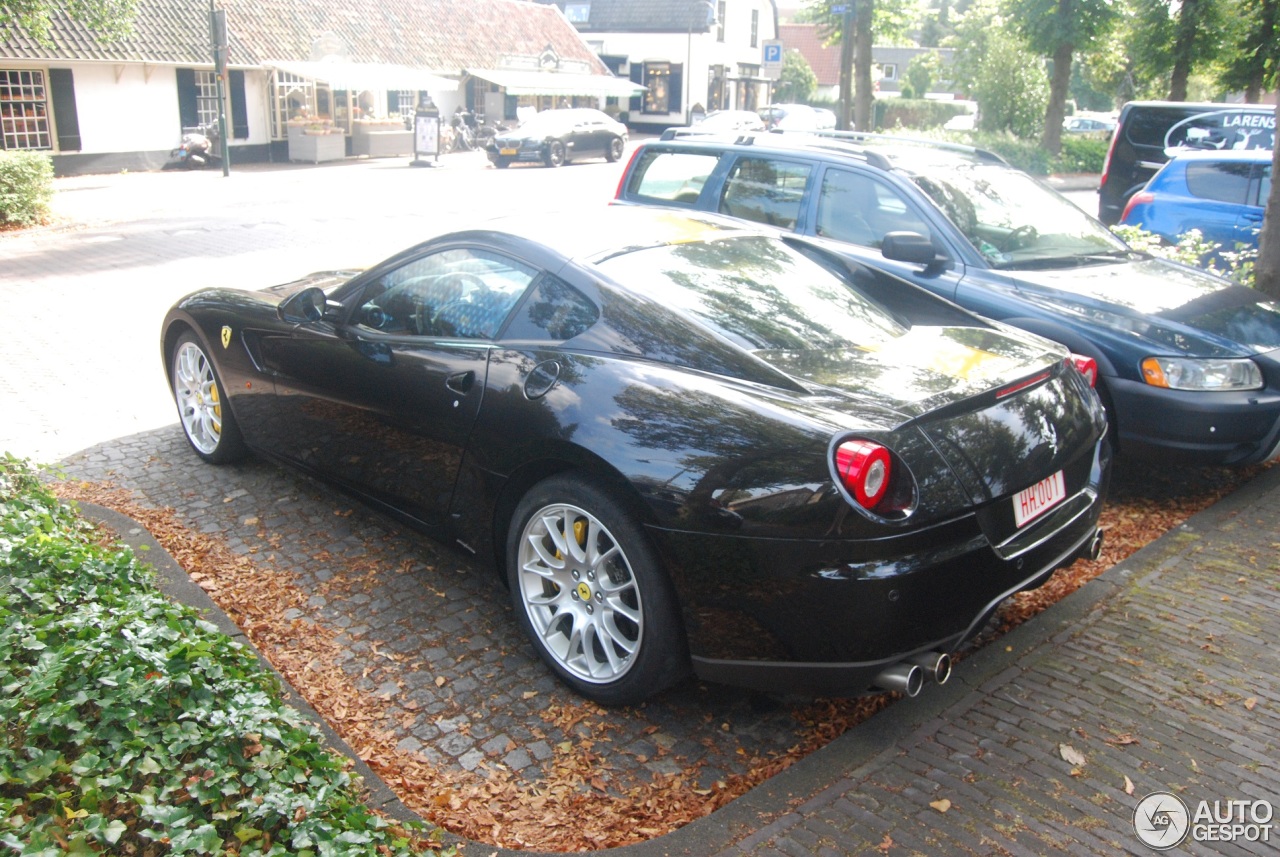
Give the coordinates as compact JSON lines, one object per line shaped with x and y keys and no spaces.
{"x":1192,"y":249}
{"x":132,"y":726}
{"x":26,"y":188}
{"x":1082,"y":154}
{"x":913,"y":113}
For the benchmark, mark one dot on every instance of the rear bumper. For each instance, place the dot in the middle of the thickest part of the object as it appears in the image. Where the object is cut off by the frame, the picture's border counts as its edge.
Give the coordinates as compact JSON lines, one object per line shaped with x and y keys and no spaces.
{"x":1196,"y":428}
{"x":825,"y":617}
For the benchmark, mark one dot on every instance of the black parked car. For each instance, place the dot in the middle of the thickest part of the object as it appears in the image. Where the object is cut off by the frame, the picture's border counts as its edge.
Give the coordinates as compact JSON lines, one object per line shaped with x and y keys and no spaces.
{"x":1189,"y":366}
{"x":682,"y":443}
{"x":556,"y":137}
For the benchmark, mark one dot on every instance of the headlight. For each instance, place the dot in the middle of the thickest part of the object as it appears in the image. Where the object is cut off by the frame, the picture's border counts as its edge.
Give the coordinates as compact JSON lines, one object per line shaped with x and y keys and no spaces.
{"x":1184,"y":373}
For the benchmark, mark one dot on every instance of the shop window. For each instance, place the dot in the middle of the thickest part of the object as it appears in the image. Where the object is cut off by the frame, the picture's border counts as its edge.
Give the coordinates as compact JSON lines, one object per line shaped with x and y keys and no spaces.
{"x":24,"y":110}
{"x":664,"y":82}
{"x":292,"y":97}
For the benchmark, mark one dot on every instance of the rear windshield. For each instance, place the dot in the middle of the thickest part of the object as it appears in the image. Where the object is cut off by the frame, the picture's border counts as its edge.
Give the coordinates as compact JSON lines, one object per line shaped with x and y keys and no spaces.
{"x":672,"y":176}
{"x":758,"y":292}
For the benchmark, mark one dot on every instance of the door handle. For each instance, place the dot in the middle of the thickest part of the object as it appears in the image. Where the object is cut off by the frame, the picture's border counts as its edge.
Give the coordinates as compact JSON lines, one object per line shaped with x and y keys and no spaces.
{"x":462,"y":382}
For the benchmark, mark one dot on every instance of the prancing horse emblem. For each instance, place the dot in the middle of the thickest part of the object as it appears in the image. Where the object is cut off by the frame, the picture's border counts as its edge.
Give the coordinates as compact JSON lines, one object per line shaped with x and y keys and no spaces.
{"x":226,"y":336}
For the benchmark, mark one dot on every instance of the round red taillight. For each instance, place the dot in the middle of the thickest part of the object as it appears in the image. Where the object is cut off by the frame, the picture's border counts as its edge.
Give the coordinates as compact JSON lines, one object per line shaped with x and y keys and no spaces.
{"x":865,"y":470}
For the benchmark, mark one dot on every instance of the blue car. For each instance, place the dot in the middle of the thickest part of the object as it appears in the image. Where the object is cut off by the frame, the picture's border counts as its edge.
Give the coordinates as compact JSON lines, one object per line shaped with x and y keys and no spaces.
{"x":1223,"y":194}
{"x":1188,"y":364}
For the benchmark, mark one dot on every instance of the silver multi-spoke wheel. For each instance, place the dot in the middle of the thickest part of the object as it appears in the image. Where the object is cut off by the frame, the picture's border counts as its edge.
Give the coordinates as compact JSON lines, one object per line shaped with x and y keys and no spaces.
{"x":199,"y":402}
{"x":205,"y":416}
{"x":580,"y":594}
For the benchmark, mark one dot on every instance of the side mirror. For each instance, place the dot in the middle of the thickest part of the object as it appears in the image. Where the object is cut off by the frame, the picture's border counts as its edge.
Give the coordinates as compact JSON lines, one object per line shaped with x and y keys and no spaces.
{"x":302,"y":307}
{"x":912,"y":248}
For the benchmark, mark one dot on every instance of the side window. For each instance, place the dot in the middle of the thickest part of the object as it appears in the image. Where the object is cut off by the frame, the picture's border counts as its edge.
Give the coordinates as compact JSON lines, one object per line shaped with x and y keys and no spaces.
{"x":856,"y":208}
{"x":1223,"y":182}
{"x":555,"y":311}
{"x":1264,"y":187}
{"x":671,"y":176}
{"x":459,"y":293}
{"x":766,"y":191}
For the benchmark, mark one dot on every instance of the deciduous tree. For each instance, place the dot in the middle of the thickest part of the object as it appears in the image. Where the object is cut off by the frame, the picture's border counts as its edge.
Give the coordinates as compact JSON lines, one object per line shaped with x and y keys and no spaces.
{"x":109,"y":19}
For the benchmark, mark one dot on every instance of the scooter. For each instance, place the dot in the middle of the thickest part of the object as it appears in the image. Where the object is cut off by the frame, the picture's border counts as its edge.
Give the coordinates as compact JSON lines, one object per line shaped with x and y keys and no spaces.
{"x":196,"y":150}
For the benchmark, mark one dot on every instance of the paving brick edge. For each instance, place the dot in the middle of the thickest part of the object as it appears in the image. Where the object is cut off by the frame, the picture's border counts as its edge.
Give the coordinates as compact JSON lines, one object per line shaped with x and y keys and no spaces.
{"x":770,"y":808}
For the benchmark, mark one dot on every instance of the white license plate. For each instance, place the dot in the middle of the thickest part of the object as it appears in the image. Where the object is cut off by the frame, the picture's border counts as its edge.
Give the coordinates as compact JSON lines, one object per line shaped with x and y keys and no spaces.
{"x":1031,"y":503}
{"x":509,"y":152}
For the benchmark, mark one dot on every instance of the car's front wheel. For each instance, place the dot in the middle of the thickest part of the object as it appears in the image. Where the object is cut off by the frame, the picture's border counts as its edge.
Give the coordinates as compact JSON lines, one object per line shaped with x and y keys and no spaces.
{"x":502,"y":162}
{"x":614,"y":152}
{"x":589,"y":592}
{"x":207,"y":421}
{"x":555,"y":153}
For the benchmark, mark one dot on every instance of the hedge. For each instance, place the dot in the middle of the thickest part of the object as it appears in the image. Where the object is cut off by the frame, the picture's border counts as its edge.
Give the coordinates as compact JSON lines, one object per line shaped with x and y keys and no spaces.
{"x":26,"y":188}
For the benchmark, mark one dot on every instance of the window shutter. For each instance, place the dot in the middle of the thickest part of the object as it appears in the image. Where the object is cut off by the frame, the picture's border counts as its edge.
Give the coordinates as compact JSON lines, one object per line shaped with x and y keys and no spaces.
{"x":63,"y":90}
{"x":239,"y":108}
{"x":637,"y":76}
{"x":188,"y":112}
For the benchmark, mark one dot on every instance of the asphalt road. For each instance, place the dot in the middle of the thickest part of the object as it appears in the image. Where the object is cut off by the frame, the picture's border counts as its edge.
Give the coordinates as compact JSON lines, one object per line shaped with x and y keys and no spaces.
{"x":80,"y":363}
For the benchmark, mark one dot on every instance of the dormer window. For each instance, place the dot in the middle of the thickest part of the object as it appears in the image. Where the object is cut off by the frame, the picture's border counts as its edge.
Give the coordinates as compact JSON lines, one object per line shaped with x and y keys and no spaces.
{"x":577,"y":13}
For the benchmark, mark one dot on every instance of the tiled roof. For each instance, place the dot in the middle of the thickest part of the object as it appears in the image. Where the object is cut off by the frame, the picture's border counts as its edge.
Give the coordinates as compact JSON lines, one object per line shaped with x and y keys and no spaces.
{"x":442,"y":35}
{"x":807,"y":39}
{"x":164,"y":31}
{"x":639,"y":16}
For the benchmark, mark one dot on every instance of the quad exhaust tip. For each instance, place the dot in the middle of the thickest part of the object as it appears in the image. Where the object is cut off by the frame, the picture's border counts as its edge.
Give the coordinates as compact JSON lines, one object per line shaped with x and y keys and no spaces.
{"x":905,"y":677}
{"x":909,"y":676}
{"x":936,"y":665}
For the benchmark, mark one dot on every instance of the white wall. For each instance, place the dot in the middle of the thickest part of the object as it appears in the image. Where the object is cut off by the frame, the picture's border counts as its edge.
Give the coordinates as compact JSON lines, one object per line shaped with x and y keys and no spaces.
{"x":129,"y":115}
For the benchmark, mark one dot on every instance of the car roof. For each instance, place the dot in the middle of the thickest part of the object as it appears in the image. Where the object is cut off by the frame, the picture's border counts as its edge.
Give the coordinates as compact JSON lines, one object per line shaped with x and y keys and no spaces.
{"x":1246,"y":155}
{"x":596,"y":233}
{"x":885,"y":151}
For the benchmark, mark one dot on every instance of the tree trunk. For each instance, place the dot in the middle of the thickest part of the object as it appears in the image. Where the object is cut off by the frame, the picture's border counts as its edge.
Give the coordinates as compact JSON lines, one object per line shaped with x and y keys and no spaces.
{"x":1183,"y":47}
{"x":1267,"y":269}
{"x":846,"y":72}
{"x":1059,"y":88}
{"x":862,"y":94}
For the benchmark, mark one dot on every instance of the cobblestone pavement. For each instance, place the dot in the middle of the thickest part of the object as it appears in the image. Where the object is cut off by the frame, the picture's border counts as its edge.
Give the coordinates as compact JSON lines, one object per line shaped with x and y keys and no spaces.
{"x":1163,"y":671}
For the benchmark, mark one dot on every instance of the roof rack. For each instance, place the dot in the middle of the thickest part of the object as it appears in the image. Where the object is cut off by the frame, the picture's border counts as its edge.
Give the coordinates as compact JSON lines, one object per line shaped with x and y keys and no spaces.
{"x":869,"y":136}
{"x":749,"y":138}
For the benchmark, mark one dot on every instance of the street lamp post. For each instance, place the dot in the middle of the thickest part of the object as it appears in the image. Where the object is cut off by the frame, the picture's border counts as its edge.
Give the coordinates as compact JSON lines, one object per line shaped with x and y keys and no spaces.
{"x":688,"y":54}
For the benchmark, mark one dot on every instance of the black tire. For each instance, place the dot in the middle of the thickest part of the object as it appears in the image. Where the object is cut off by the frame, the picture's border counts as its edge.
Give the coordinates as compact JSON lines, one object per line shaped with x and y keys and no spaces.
{"x":609,"y":626}
{"x":555,"y":154}
{"x":614,"y":150}
{"x":501,"y":162}
{"x":205,"y":416}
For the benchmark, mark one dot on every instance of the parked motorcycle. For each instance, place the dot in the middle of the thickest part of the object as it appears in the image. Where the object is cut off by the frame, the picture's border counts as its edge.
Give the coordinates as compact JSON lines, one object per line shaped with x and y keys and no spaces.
{"x":197,"y":149}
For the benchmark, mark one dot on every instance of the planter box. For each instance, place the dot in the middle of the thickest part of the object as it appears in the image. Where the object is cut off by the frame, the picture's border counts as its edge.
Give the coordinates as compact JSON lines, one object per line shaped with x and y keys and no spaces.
{"x":381,"y":144}
{"x":315,"y":148}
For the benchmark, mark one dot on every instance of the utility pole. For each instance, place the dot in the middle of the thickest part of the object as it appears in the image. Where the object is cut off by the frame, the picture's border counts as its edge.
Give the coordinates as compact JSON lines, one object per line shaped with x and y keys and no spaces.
{"x":218,"y":35}
{"x":846,"y":65}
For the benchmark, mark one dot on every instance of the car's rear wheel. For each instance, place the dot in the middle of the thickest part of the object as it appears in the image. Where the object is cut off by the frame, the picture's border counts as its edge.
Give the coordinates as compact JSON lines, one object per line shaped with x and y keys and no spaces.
{"x":614,"y":151}
{"x":589,"y":592}
{"x":207,"y":421}
{"x":555,"y":153}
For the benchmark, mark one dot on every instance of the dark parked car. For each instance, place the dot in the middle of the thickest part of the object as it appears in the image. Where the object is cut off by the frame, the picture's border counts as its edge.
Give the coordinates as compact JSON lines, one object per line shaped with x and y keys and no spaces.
{"x":684,"y":444}
{"x":1148,"y":133}
{"x":1189,"y":366}
{"x":1223,"y":194}
{"x":556,"y":137}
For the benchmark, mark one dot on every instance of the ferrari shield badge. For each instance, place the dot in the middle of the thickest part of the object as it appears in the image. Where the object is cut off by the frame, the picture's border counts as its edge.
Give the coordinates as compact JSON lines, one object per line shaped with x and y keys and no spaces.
{"x":226,"y":336}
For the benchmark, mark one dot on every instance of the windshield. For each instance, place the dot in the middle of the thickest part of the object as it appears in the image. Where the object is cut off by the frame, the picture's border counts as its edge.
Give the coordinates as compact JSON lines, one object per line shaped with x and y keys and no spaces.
{"x":1013,"y":221}
{"x":757,"y":292}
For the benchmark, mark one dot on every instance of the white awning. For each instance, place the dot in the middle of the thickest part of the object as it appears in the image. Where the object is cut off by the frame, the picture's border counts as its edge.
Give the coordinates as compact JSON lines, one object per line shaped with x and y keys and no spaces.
{"x":528,"y":82}
{"x":362,"y":76}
